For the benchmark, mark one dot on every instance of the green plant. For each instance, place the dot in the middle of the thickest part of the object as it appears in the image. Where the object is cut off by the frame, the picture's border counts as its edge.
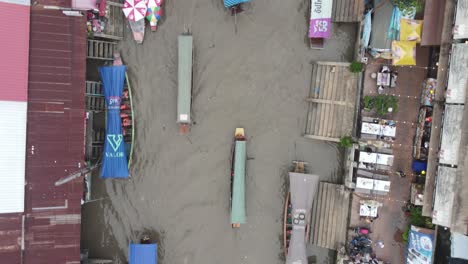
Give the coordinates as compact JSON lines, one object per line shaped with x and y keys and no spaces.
{"x":346,"y":142}
{"x":381,"y":103}
{"x":368,"y":103}
{"x":409,"y":6}
{"x":405,"y":234}
{"x":417,"y":219}
{"x":356,"y":67}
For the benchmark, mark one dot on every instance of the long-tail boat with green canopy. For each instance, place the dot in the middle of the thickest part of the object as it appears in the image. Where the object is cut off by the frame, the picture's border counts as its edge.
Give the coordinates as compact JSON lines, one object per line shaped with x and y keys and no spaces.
{"x":239,"y":157}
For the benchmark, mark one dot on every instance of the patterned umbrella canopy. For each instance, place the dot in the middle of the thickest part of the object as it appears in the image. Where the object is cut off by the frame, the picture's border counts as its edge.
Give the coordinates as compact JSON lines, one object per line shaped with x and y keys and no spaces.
{"x":134,"y":10}
{"x":154,"y":12}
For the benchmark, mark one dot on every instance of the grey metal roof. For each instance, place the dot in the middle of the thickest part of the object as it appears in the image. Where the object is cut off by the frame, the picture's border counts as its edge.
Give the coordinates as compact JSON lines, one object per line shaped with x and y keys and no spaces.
{"x":451,"y":134}
{"x":303,"y":188}
{"x":297,"y":247}
{"x":184,"y":96}
{"x":461,"y":20}
{"x":444,"y":196}
{"x":458,"y":77}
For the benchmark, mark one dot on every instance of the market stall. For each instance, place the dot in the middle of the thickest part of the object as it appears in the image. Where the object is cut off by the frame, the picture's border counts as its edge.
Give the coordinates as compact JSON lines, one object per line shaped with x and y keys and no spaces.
{"x":423,"y":134}
{"x":376,"y":158}
{"x":106,"y":21}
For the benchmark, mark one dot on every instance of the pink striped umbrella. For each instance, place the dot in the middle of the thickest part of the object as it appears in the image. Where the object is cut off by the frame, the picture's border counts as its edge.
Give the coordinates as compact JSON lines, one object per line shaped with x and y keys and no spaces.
{"x":134,"y":10}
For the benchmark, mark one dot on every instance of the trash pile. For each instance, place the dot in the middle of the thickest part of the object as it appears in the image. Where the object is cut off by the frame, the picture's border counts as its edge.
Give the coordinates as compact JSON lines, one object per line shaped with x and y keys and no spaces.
{"x":359,"y":250}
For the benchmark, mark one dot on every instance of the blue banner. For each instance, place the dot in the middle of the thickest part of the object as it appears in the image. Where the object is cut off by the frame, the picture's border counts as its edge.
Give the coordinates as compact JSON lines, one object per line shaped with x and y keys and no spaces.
{"x":420,"y":245}
{"x":114,"y":161}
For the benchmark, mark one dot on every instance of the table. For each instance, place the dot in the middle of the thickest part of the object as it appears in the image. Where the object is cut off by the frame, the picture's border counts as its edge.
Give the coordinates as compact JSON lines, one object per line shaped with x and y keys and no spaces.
{"x":376,"y":158}
{"x":386,"y":79}
{"x":377,"y":129}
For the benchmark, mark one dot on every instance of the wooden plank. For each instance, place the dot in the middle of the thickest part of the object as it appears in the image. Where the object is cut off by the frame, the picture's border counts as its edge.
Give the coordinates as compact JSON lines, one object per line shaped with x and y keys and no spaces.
{"x":322,"y":138}
{"x":334,"y":96}
{"x":325,"y":107}
{"x":320,"y":219}
{"x":310,"y":115}
{"x":357,"y":14}
{"x":331,"y":63}
{"x":329,"y":119}
{"x":317,"y":88}
{"x":337,"y":10}
{"x":322,"y":107}
{"x":339,"y":110}
{"x":332,"y":216}
{"x":313,"y":221}
{"x":343,"y":10}
{"x":334,"y":11}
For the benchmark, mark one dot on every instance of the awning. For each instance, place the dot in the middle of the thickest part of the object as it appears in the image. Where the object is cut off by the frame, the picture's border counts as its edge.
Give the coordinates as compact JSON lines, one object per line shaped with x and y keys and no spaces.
{"x":303,"y":188}
{"x":184,"y":95}
{"x":114,"y":161}
{"x":297,"y":247}
{"x":320,"y":19}
{"x":376,"y":158}
{"x":143,"y":254}
{"x":238,"y":185}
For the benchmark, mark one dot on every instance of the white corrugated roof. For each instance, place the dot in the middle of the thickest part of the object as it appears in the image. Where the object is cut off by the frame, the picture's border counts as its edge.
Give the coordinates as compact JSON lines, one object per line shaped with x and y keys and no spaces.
{"x":12,"y":156}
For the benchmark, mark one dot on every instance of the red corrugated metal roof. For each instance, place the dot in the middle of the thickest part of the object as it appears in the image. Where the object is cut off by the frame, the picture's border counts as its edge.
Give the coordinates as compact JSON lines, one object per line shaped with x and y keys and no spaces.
{"x":14,"y":50}
{"x":55,"y":133}
{"x":10,"y":238}
{"x":433,"y":22}
{"x":55,"y":137}
{"x":55,"y":141}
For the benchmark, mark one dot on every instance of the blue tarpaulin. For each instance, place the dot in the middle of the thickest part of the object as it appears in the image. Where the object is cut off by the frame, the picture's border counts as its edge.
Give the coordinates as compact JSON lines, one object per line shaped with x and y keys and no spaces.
{"x":114,"y":161}
{"x":366,"y":32}
{"x":419,"y":166}
{"x":230,"y":3}
{"x":143,"y":254}
{"x":393,"y":32}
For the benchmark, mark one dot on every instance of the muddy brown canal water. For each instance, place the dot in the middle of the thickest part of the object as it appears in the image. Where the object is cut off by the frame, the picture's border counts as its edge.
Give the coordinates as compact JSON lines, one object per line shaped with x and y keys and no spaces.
{"x":257,"y":78}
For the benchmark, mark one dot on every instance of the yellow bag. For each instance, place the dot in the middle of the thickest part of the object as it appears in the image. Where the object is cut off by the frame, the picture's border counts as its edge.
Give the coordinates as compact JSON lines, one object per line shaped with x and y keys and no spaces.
{"x":410,"y":30}
{"x":404,"y":52}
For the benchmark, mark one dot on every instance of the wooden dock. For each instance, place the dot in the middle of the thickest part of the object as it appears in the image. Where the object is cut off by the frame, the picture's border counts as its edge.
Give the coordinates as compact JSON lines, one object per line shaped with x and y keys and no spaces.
{"x":330,"y":216}
{"x":100,"y":50}
{"x":332,"y":101}
{"x":347,"y":10}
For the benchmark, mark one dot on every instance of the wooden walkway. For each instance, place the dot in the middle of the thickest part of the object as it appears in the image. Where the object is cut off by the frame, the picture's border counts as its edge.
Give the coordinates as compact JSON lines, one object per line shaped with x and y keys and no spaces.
{"x":332,"y":101}
{"x":347,"y":10}
{"x":330,"y":216}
